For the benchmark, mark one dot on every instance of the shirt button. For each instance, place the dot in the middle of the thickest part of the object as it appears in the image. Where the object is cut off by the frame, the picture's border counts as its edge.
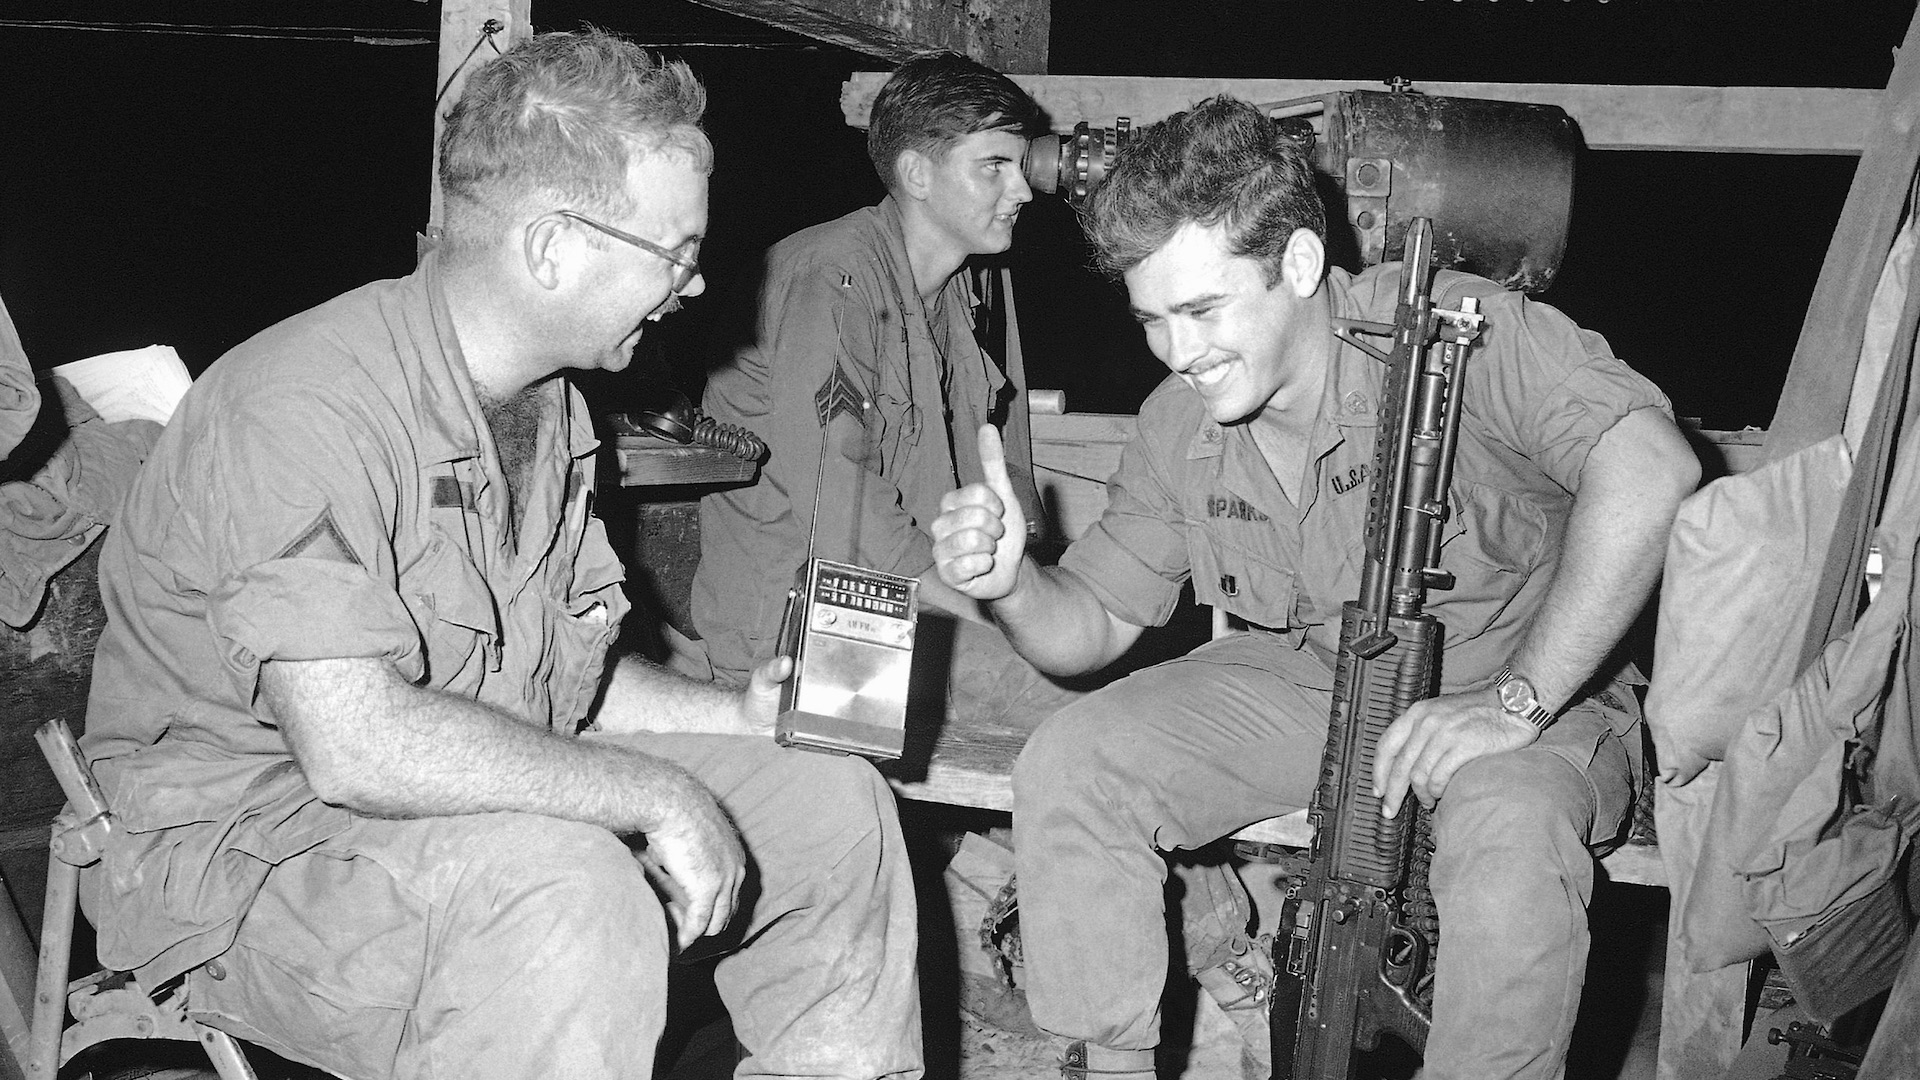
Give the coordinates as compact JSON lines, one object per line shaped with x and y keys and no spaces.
{"x":1356,"y":401}
{"x":1228,"y":585}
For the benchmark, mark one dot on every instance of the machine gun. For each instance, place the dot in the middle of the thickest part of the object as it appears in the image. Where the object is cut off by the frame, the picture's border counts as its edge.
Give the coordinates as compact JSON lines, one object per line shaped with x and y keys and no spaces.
{"x":1359,"y":933}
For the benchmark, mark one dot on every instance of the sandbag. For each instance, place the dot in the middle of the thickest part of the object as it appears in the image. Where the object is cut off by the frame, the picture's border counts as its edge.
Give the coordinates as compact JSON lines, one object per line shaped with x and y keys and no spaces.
{"x":1737,"y":558}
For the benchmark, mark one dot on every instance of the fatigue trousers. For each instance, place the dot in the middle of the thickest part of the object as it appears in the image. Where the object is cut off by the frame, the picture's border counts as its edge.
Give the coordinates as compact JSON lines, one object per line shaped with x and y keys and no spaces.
{"x":518,"y":946}
{"x":1181,"y":754}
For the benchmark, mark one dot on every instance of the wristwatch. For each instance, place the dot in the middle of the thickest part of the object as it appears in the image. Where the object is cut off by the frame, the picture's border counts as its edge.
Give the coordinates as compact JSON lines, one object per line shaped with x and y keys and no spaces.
{"x":1518,"y":698}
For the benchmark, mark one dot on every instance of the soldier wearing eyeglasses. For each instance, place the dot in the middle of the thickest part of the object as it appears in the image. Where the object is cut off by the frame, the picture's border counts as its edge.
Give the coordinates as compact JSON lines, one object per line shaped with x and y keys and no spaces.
{"x":388,"y":811}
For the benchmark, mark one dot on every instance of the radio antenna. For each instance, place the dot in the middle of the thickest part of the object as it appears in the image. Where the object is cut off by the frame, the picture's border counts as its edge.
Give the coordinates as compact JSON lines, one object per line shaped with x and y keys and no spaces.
{"x":819,"y":474}
{"x":835,"y":396}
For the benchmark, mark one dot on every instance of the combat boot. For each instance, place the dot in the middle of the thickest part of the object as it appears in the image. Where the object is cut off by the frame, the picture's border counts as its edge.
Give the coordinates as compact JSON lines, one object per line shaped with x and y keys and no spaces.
{"x":1242,"y":986}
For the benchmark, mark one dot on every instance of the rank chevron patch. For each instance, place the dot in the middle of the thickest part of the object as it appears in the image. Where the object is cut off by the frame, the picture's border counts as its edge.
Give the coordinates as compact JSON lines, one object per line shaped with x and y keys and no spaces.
{"x":837,"y":395}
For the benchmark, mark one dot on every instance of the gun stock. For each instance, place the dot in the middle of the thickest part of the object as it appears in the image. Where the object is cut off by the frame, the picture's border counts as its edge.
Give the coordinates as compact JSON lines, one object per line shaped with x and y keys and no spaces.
{"x":1360,"y":931}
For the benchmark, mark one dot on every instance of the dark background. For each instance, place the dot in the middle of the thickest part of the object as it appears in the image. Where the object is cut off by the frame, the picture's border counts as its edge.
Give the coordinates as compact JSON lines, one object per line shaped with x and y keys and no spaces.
{"x":189,"y":172}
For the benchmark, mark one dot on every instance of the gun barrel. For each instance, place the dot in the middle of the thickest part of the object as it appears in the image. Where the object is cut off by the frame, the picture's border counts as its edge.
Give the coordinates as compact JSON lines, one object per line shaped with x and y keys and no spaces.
{"x":1361,"y":928}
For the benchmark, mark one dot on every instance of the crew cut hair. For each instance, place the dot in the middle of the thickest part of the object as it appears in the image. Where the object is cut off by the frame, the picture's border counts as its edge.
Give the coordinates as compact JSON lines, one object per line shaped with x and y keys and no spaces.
{"x":554,"y":122}
{"x":936,"y":99}
{"x":1222,"y":162}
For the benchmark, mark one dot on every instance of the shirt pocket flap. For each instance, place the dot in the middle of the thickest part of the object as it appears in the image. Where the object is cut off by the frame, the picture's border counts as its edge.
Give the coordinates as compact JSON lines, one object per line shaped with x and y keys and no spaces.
{"x":1241,"y":582}
{"x":1494,"y":541}
{"x":456,"y":615}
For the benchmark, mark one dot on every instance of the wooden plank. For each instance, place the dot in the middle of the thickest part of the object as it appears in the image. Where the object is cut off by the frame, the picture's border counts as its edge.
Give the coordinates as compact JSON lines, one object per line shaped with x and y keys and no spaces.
{"x":1073,"y":455}
{"x":461,"y":30}
{"x":650,"y":462}
{"x":965,"y":767}
{"x":1819,"y":386}
{"x":1729,"y":119}
{"x":1724,"y":453}
{"x":1636,"y":864}
{"x":1007,"y":35}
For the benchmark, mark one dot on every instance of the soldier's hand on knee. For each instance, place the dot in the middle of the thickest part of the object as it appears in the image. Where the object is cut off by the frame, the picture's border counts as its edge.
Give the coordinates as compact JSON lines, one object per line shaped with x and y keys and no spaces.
{"x":699,"y":854}
{"x":1434,"y":738}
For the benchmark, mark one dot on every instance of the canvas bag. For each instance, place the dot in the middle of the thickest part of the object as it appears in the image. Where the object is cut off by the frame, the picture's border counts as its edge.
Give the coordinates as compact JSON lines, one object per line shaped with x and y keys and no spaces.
{"x":1833,"y":908}
{"x":1736,"y":559}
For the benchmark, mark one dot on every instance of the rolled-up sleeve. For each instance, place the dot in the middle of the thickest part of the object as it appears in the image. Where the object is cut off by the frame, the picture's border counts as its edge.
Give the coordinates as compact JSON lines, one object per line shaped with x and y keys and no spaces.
{"x":311,"y":609}
{"x":1135,"y":558}
{"x":297,"y":515}
{"x":1562,"y":391}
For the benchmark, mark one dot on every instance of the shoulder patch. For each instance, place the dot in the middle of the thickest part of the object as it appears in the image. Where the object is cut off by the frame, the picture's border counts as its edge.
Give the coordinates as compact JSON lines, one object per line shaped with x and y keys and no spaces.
{"x":322,"y":540}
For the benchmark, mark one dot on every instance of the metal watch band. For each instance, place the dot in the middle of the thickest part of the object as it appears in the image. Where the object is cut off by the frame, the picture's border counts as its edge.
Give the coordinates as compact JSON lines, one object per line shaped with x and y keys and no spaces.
{"x":1535,"y":713}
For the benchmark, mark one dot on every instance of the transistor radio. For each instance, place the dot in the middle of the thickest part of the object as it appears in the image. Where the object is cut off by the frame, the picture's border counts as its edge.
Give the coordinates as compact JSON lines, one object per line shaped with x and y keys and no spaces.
{"x":849,"y":631}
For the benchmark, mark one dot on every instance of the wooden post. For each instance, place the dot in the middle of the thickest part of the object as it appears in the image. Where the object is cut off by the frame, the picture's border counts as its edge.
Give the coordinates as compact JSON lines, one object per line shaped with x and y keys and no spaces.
{"x":464,"y":45}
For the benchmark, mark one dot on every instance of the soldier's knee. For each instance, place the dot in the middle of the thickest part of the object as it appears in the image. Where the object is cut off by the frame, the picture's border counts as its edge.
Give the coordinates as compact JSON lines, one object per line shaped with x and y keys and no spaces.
{"x":1090,"y":749}
{"x":573,"y":881}
{"x":1058,"y":755}
{"x":1513,"y":800}
{"x":832,"y":807}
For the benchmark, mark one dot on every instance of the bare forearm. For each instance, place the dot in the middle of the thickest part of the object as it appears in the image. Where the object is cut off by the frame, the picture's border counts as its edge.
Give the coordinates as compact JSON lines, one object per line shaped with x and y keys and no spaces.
{"x":1591,"y":604}
{"x":642,"y":696}
{"x":1054,"y":620}
{"x":1611,"y":558}
{"x":376,"y":744}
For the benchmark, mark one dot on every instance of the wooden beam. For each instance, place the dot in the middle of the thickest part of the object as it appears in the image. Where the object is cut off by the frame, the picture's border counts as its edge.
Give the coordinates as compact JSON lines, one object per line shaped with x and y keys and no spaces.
{"x":1727,"y":119}
{"x":464,"y":46}
{"x":1007,"y":35}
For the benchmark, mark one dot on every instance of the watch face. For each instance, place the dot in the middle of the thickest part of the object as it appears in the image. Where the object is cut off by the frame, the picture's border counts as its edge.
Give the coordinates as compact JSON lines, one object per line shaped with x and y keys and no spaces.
{"x":1516,"y":694}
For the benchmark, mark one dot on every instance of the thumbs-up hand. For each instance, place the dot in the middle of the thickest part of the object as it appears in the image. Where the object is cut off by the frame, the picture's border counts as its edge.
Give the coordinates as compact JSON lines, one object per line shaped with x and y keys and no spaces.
{"x":980,"y":537}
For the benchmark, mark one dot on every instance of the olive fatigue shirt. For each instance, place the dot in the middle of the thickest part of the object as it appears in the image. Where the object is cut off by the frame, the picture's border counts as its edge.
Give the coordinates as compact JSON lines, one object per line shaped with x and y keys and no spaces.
{"x":845,"y":363}
{"x":328,"y":489}
{"x":1194,"y":499}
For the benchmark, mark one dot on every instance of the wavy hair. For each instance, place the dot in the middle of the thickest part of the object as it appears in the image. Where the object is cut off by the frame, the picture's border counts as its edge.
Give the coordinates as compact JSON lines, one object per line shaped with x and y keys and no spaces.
{"x":1222,"y":162}
{"x":555,"y":121}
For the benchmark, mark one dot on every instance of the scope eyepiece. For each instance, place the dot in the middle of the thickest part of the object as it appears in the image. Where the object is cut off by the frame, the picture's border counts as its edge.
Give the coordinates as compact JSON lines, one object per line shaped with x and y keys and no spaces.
{"x":1074,"y":165}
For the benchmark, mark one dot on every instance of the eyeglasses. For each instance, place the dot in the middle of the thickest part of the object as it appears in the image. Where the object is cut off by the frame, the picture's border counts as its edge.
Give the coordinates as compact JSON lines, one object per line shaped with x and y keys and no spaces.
{"x":687,"y":266}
